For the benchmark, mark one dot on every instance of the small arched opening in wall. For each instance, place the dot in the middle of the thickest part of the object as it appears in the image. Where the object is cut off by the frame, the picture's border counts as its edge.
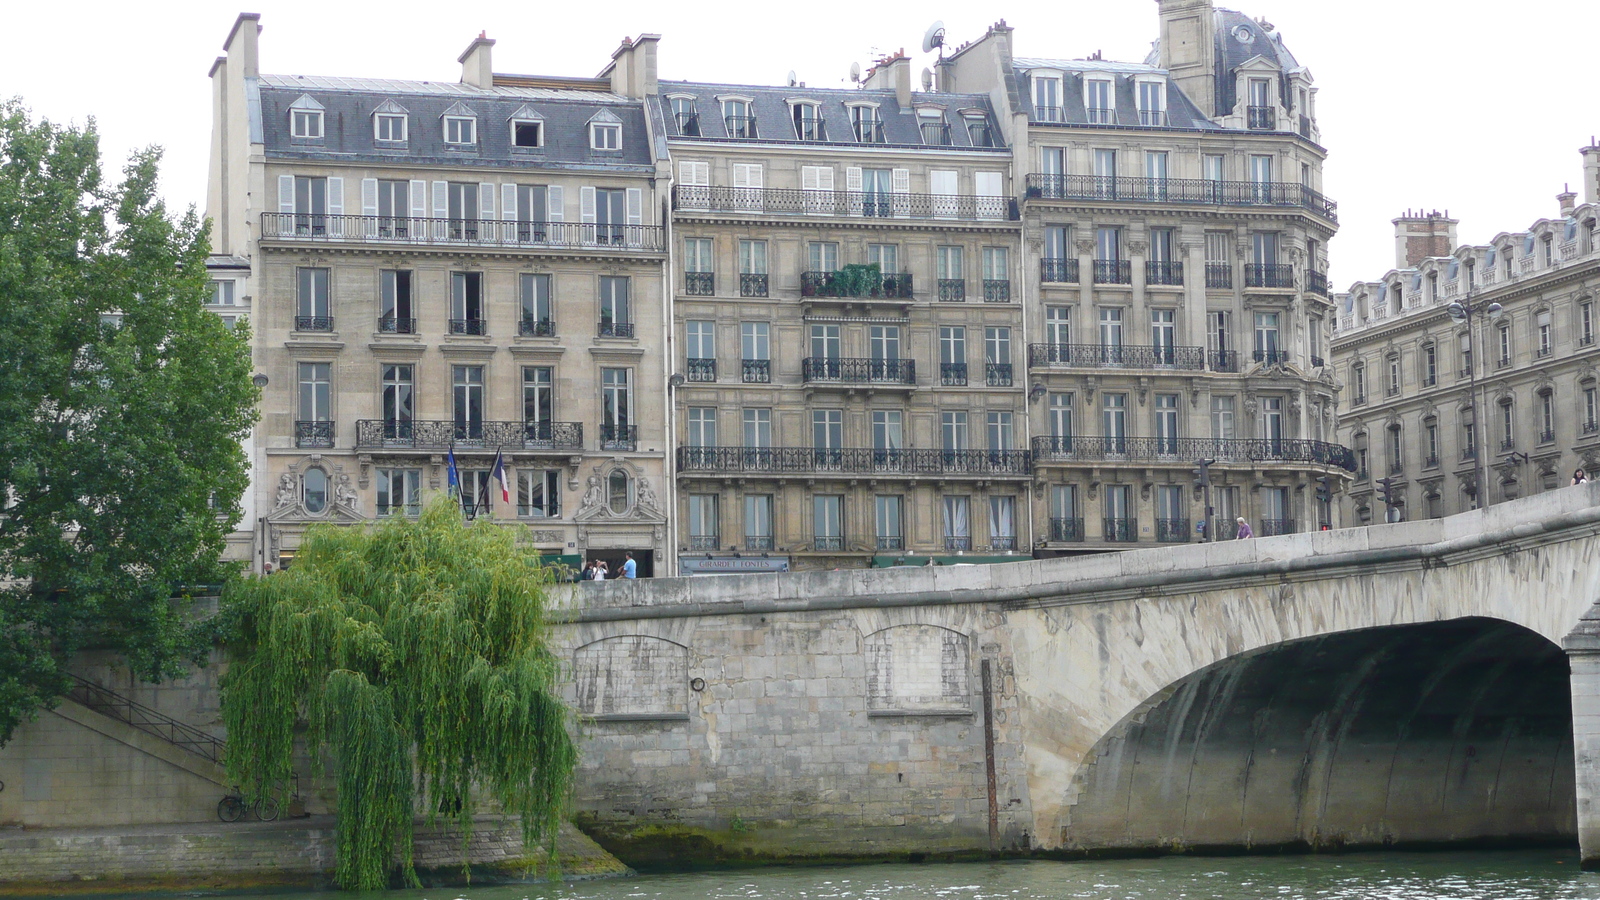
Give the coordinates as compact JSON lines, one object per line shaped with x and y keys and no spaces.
{"x":632,"y":677}
{"x":918,"y":669}
{"x":1442,"y":733}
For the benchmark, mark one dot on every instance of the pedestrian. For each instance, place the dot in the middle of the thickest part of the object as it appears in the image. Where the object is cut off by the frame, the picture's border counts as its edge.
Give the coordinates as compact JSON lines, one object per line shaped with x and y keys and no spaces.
{"x":1244,"y":529}
{"x":267,"y":569}
{"x":1578,"y":476}
{"x":600,"y":570}
{"x":630,"y":569}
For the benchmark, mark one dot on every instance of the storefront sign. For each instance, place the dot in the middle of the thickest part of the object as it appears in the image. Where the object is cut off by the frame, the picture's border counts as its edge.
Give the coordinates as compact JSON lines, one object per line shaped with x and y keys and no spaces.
{"x":730,"y":565}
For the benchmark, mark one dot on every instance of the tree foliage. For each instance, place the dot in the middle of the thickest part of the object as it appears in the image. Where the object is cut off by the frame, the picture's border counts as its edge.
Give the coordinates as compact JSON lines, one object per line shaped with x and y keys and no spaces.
{"x":122,"y":405}
{"x":414,"y":655}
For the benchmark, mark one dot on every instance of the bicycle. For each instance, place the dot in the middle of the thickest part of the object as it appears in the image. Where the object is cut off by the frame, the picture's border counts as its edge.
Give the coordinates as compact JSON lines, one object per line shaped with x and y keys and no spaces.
{"x":232,"y":808}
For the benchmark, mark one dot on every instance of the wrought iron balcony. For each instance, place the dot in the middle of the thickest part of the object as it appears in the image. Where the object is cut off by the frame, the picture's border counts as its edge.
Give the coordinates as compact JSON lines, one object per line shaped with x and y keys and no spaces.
{"x":1119,"y":531}
{"x":612,"y":329}
{"x":1317,"y":282}
{"x":430,"y":434}
{"x":827,"y":542}
{"x":1508,"y":444}
{"x":1172,"y":531}
{"x":461,"y":232}
{"x":699,"y":284}
{"x":1219,"y":275}
{"x":1268,"y":275}
{"x":865,"y":283}
{"x":1397,"y":468}
{"x":743,"y":127}
{"x":1066,"y":529}
{"x":815,"y":369}
{"x":752,"y":284}
{"x":1063,"y":271}
{"x":394,"y":325}
{"x":795,"y":202}
{"x":313,"y":434}
{"x":810,"y":128}
{"x":704,"y":542}
{"x":619,"y":437}
{"x":1052,"y":114}
{"x":1152,"y":117}
{"x":688,"y":124}
{"x":1119,"y":356}
{"x":702,"y":370}
{"x":952,"y":374}
{"x":313,"y":323}
{"x":1059,"y":448}
{"x":1271,"y":357}
{"x":1002,"y":543}
{"x":936,"y":134}
{"x":468,"y":326}
{"x":867,"y":131}
{"x":891,"y":542}
{"x":1591,"y":427}
{"x":1270,"y":527}
{"x":952,"y":290}
{"x":757,"y":543}
{"x":957,"y":543}
{"x":996,"y":291}
{"x":1223,"y":360}
{"x":1113,"y":271}
{"x":852,"y":461}
{"x":1262,"y":118}
{"x":531,"y":327}
{"x":1469,"y":453}
{"x":1430,"y":462}
{"x":981,"y":135}
{"x":756,"y":371}
{"x":997,"y":374}
{"x":1204,"y":191}
{"x":1318,"y":362}
{"x":1101,"y":115}
{"x":1164,"y":272}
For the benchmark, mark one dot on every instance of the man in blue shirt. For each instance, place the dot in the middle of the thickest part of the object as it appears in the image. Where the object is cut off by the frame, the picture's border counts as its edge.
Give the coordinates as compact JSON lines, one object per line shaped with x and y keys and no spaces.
{"x":630,"y":568}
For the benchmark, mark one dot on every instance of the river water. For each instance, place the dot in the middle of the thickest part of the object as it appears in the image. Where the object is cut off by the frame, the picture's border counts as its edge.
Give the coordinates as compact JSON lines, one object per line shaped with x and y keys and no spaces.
{"x":1497,"y":875}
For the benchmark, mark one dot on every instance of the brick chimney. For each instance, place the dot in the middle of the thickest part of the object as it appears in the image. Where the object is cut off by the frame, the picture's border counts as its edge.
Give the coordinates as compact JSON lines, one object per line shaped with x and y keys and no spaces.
{"x":1188,"y":50}
{"x":1419,"y":235}
{"x":476,"y":66}
{"x":1568,"y":200}
{"x":1591,"y":172}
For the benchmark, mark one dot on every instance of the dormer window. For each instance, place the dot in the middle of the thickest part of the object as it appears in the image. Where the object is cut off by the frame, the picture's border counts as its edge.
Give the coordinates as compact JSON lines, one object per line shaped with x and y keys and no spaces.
{"x":390,"y":129}
{"x":1099,"y":98}
{"x":865,"y":123}
{"x":978,"y":131}
{"x":1047,"y":98}
{"x":605,"y":131}
{"x":808,"y":122}
{"x":305,"y":119}
{"x":935,"y":130}
{"x":527,"y":133}
{"x":685,"y":116}
{"x":739,"y":118}
{"x":1263,"y":115}
{"x":1152,"y":102}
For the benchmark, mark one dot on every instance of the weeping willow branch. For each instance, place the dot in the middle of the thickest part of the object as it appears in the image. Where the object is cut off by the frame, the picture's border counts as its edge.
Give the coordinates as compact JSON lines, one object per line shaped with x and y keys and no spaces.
{"x":414,"y":656}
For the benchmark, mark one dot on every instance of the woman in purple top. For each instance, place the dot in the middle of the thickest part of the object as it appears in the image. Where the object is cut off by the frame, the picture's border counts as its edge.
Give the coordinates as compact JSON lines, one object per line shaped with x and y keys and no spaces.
{"x":1244,"y":530}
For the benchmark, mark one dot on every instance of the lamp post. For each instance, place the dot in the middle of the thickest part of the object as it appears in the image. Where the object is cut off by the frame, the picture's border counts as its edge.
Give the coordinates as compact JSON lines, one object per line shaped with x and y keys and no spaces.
{"x":1465,"y":310}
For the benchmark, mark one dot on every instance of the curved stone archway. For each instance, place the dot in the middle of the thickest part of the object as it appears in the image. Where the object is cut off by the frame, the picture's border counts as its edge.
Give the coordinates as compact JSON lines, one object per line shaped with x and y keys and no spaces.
{"x":1432,"y":733}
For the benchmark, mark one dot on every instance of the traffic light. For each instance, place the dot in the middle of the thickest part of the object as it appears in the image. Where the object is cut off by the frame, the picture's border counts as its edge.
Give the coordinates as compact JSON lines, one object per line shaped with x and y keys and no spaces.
{"x":1386,"y":491}
{"x":1202,"y":474}
{"x":1324,"y":493}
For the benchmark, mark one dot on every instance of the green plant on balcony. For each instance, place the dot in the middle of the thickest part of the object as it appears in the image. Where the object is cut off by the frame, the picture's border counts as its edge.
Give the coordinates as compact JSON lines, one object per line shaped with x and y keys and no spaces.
{"x":857,"y":280}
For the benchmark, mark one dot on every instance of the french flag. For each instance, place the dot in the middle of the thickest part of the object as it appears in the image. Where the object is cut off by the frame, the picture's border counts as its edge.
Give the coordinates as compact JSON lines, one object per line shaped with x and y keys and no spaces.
{"x":499,"y":472}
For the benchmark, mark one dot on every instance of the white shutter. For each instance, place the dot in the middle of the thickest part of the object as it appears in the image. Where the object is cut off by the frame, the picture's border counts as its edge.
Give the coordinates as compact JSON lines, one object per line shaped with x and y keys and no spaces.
{"x":635,"y":206}
{"x":694,"y":172}
{"x":901,"y":181}
{"x":810,"y":178}
{"x":486,"y":194}
{"x":944,"y":185}
{"x":441,"y":199}
{"x":286,"y":193}
{"x":508,"y":202}
{"x":586,"y":205}
{"x":369,"y":196}
{"x":694,"y":184}
{"x":989,"y":186}
{"x":555,"y":206}
{"x":747,"y":181}
{"x":419,"y":199}
{"x":335,"y":196}
{"x":852,"y":186}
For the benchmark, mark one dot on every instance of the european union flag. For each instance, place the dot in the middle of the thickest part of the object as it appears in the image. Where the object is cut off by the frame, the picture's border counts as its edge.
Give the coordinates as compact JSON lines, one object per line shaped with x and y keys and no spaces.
{"x":453,"y":476}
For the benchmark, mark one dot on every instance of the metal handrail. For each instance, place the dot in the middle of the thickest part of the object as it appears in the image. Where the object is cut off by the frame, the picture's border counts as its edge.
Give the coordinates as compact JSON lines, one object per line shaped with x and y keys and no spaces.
{"x":860,"y":460}
{"x":791,"y":201}
{"x":1205,"y":191}
{"x":473,"y":232}
{"x":1178,"y":451}
{"x":152,"y":722}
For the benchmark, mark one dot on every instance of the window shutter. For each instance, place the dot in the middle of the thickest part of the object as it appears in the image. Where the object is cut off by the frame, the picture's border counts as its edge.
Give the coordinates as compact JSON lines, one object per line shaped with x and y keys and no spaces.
{"x":825,"y":178}
{"x":694,"y":172}
{"x":286,"y":193}
{"x":635,"y":206}
{"x":508,"y":202}
{"x":586,"y":205}
{"x":810,"y":178}
{"x":335,"y":196}
{"x":852,"y":186}
{"x":555,"y":206}
{"x":988,"y":186}
{"x":419,"y":199}
{"x":901,"y":181}
{"x":441,"y":199}
{"x":369,"y":196}
{"x":486,"y":201}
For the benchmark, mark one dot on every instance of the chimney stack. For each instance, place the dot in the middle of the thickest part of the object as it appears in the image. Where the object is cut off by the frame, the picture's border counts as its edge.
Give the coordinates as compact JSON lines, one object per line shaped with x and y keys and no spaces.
{"x":243,"y":40}
{"x":476,"y":66}
{"x":1419,"y":235}
{"x":632,"y":69}
{"x":892,"y":73}
{"x":1568,"y":200}
{"x":1591,"y":172}
{"x":1189,"y":50}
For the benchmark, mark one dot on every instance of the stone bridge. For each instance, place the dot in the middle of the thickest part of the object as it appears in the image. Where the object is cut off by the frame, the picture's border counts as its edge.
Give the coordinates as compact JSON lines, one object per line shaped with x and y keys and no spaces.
{"x":1417,"y":684}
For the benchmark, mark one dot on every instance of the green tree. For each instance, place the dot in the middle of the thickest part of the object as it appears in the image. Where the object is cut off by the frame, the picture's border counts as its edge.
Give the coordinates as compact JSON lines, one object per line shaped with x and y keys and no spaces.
{"x":122,"y":405}
{"x":414,"y":654}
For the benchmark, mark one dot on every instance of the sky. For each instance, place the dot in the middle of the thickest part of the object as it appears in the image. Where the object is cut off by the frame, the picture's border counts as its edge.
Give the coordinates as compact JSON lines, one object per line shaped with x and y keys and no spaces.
{"x":1462,"y":105}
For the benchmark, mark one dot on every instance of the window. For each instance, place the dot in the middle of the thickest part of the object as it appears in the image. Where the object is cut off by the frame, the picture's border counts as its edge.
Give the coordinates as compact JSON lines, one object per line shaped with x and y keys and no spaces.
{"x":827,"y":430}
{"x":221,"y":293}
{"x":1262,"y":115}
{"x":885,"y":256}
{"x":1466,"y":355}
{"x":952,"y":274}
{"x":1586,"y":323}
{"x":1430,"y":365}
{"x":702,"y":426}
{"x":399,"y":492}
{"x":1167,"y":423}
{"x":605,"y":135}
{"x":397,"y":400}
{"x":619,"y":489}
{"x":1394,"y":376}
{"x":757,"y":428}
{"x":538,"y":400}
{"x":822,"y":256}
{"x":536,"y":205}
{"x":534,"y":293}
{"x":614,"y":307}
{"x":825,"y":341}
{"x":463,"y":209}
{"x":460,"y":130}
{"x":1061,"y":424}
{"x":1219,"y":260}
{"x":866,"y":125}
{"x":313,"y":312}
{"x":739,"y":118}
{"x":616,"y":407}
{"x":1547,"y":417}
{"x":884,"y":342}
{"x":827,"y":522}
{"x":1105,"y":173}
{"x":1152,"y":103}
{"x":1272,"y":419}
{"x":1163,"y":334}
{"x":527,"y":133}
{"x":389,"y":127}
{"x":1508,"y":425}
{"x":700,"y":349}
{"x":703,"y":534}
{"x":1212,"y":168}
{"x":1542,"y":326}
{"x":1110,"y":326}
{"x":887,"y":430}
{"x":1430,"y":442}
{"x":1222,"y":413}
{"x":953,"y":434}
{"x":1108,"y":263}
{"x":890,"y":533}
{"x":539,"y":493}
{"x":466,"y":387}
{"x":316,"y":397}
{"x":1099,"y":100}
{"x":952,"y":354}
{"x":754,"y":341}
{"x":1058,"y":325}
{"x":1114,"y":421}
{"x":466,"y":303}
{"x":305,"y":123}
{"x":934,"y":130}
{"x":685,"y":116}
{"x":996,"y":274}
{"x":752,"y":268}
{"x":1002,"y":523}
{"x":999,"y":428}
{"x":1047,"y":99}
{"x":1396,"y":450}
{"x":1065,"y":524}
{"x":1591,"y":410}
{"x":808,"y":123}
{"x":997,"y":355}
{"x":1267,"y":338}
{"x":698,"y":278}
{"x":758,"y":522}
{"x":1504,"y":338}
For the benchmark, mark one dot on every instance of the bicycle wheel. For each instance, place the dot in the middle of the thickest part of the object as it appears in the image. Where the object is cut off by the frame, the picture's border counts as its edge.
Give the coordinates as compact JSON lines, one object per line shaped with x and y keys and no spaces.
{"x":267,"y":809}
{"x":230,"y":808}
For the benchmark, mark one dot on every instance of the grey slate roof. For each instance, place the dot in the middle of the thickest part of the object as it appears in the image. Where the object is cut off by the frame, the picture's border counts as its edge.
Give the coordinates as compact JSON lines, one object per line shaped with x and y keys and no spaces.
{"x":773,"y":123}
{"x":1233,"y":53}
{"x":1181,"y":111}
{"x":349,"y":105}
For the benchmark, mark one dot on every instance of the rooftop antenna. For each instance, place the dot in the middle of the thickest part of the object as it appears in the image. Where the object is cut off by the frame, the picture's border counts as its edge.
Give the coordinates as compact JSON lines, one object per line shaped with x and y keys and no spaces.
{"x":793,"y":79}
{"x":855,"y":72}
{"x":934,"y":37}
{"x":927,"y":79}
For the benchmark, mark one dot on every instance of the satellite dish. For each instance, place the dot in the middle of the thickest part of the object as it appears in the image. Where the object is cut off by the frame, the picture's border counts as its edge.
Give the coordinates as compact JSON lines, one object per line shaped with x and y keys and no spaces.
{"x":855,"y":71}
{"x":927,"y":79}
{"x":793,"y":79}
{"x":934,"y":38}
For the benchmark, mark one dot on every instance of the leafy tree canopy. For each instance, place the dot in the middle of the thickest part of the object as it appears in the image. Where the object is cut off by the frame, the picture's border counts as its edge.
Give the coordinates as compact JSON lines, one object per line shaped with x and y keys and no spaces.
{"x":122,"y":405}
{"x":414,"y":654}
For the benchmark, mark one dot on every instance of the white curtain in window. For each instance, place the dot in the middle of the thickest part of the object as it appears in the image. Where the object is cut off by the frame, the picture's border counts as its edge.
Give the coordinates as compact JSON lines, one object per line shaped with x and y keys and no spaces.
{"x":1002,"y":523}
{"x":957,"y":522}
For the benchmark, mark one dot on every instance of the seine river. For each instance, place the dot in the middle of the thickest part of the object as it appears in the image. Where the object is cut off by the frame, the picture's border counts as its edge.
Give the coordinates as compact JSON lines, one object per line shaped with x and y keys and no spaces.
{"x":1521,"y":875}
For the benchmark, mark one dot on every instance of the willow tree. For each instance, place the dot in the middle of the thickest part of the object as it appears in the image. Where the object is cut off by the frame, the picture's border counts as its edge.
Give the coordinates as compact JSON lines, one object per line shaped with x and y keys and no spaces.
{"x":412,"y":656}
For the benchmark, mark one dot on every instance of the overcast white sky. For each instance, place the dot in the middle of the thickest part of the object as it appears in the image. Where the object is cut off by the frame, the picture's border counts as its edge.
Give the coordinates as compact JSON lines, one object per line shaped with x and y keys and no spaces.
{"x":1475,"y":107}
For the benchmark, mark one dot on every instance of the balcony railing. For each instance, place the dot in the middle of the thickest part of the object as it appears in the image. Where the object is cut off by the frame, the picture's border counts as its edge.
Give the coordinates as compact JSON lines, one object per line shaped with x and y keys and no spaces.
{"x":1048,"y":114}
{"x":608,"y":328}
{"x":468,"y":326}
{"x":1270,"y":527}
{"x":701,"y":369}
{"x":1066,"y":529}
{"x":1101,"y":115}
{"x":1172,"y":531}
{"x":1124,"y":189}
{"x":752,"y":284}
{"x":1317,"y":282}
{"x":952,"y":374}
{"x":1058,"y":448}
{"x":794,"y":202}
{"x":957,"y":543}
{"x":688,"y":124}
{"x":852,"y":461}
{"x":1271,"y":357}
{"x":1430,"y":462}
{"x":1469,"y":453}
{"x":1223,"y":360}
{"x":428,"y":434}
{"x":1268,"y":275}
{"x":756,"y":371}
{"x":699,"y":284}
{"x":810,"y":128}
{"x":952,"y":290}
{"x":313,"y":323}
{"x":867,"y":131}
{"x":1163,"y":272}
{"x":740,"y":127}
{"x":396,"y":325}
{"x":996,"y":291}
{"x":758,"y":543}
{"x":864,"y":283}
{"x":1064,"y":271}
{"x":1113,"y":271}
{"x":460,"y":232}
{"x":619,"y":437}
{"x":1591,"y":427}
{"x":313,"y":434}
{"x":1219,"y":275}
{"x":827,"y":542}
{"x":1120,"y":356}
{"x":1262,"y":118}
{"x":531,"y":327}
{"x":1002,"y":543}
{"x":1119,"y":530}
{"x":1318,"y":362}
{"x":936,"y":134}
{"x":997,"y":374}
{"x":705,"y":542}
{"x":891,"y":542}
{"x":1152,"y":117}
{"x":815,"y":369}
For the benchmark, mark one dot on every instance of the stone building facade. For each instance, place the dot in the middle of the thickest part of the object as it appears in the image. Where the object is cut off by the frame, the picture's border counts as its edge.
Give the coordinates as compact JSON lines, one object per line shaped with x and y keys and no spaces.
{"x":1408,"y":408}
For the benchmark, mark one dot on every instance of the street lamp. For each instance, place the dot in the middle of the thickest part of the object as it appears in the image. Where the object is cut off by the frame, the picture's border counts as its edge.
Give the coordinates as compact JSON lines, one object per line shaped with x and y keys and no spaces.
{"x":1465,"y":311}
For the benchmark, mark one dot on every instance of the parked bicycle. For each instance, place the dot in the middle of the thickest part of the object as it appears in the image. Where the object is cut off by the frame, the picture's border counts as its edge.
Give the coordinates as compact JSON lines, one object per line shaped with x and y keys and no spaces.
{"x":233,"y":807}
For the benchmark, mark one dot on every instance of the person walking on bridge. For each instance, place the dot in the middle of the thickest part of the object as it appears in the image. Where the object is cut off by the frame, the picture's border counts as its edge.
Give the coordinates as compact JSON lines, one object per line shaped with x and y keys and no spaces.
{"x":1244,"y":530}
